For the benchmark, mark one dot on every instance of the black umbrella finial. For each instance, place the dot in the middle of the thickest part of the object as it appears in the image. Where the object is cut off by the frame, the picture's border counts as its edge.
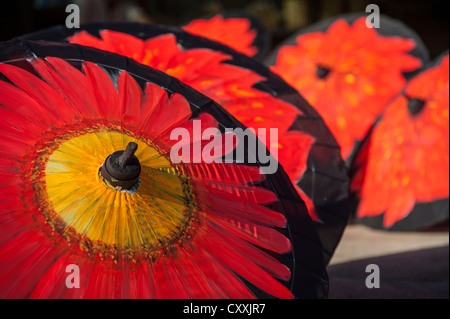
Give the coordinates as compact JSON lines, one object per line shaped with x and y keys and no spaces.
{"x":122,"y":168}
{"x":415,"y":105}
{"x":127,"y":155}
{"x":322,"y":72}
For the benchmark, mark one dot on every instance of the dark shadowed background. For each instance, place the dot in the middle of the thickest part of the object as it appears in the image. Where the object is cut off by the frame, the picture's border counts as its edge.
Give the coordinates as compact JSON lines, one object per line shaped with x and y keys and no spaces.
{"x":429,"y":18}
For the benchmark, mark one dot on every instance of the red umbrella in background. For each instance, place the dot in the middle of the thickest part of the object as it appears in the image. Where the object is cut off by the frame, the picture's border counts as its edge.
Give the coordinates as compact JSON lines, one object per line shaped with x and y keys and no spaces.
{"x":401,"y":173}
{"x":251,"y":93}
{"x":240,"y":31}
{"x":88,"y":179}
{"x":349,"y":72}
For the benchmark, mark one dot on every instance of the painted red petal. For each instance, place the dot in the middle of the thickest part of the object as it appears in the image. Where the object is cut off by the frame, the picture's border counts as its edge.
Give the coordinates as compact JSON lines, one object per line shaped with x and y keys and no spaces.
{"x":406,"y":158}
{"x":50,"y":105}
{"x":167,"y":280}
{"x":24,"y":107}
{"x":101,"y":283}
{"x":234,"y":32}
{"x":242,"y":266}
{"x":219,"y":206}
{"x":130,"y":100}
{"x":125,"y":44}
{"x":249,"y":194}
{"x":154,"y":96}
{"x":105,"y":92}
{"x":158,"y":51}
{"x":25,"y":258}
{"x":86,"y":39}
{"x":293,"y":151}
{"x":178,"y":289}
{"x":365,"y":70}
{"x":20,"y":134}
{"x":226,"y":283}
{"x":163,"y":120}
{"x":60,"y":75}
{"x":259,"y":235}
{"x":145,"y":285}
{"x":200,"y":285}
{"x":225,"y":173}
{"x":257,"y":256}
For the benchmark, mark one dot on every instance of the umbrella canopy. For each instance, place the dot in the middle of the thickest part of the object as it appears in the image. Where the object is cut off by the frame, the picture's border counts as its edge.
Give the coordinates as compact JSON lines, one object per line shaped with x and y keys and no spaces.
{"x":401,"y":172}
{"x":250,"y":92}
{"x":91,"y":176}
{"x":349,"y":72}
{"x":240,"y":31}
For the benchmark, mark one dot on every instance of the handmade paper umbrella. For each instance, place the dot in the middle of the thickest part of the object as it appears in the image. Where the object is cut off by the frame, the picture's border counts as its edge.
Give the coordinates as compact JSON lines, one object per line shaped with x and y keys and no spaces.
{"x":401,"y":173}
{"x":349,"y":72}
{"x":94,"y":174}
{"x":250,"y":92}
{"x":240,"y":31}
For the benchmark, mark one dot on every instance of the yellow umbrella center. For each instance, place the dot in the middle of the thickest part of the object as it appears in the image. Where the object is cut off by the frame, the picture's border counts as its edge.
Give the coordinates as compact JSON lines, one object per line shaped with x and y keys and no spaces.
{"x":154,"y":214}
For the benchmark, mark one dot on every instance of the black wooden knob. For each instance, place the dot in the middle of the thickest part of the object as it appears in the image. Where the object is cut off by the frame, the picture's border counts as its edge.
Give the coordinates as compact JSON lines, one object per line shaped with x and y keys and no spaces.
{"x":122,"y":168}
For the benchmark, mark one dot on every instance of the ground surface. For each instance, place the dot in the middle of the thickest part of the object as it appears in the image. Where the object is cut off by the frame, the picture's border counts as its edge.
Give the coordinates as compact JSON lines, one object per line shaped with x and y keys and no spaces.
{"x":411,"y":264}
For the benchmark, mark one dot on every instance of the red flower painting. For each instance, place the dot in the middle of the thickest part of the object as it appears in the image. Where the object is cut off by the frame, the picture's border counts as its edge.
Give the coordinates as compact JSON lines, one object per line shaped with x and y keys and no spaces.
{"x":406,"y":160}
{"x":234,"y":32}
{"x":348,"y":73}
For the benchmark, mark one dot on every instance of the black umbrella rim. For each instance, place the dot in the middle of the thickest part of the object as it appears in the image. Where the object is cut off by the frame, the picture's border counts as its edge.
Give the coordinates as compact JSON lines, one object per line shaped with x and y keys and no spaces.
{"x":306,"y":271}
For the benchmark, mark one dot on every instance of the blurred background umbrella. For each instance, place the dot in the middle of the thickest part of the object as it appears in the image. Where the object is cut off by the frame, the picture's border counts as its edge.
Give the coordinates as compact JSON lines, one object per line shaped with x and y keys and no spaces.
{"x":251,"y":93}
{"x":240,"y":31}
{"x":349,"y":72}
{"x":137,"y":224}
{"x":400,"y":174}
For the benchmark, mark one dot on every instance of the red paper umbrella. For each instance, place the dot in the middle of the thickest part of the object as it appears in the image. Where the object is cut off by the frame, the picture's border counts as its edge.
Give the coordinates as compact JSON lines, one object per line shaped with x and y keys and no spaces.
{"x":242,"y":32}
{"x":92,"y":177}
{"x":401,"y":174}
{"x":348,"y":72}
{"x":250,"y":92}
